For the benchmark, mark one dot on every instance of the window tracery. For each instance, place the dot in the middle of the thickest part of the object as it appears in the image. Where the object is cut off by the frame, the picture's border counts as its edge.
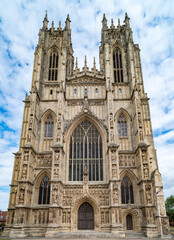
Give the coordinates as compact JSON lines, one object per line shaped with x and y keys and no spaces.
{"x":86,"y":152}
{"x":122,"y":126}
{"x":49,"y":125}
{"x":53,"y":66}
{"x":127,"y":195}
{"x":44,"y":191}
{"x":118,"y":66}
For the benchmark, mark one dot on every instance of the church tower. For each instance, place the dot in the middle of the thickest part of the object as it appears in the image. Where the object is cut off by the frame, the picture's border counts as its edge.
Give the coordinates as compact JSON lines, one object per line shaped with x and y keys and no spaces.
{"x":86,"y":159}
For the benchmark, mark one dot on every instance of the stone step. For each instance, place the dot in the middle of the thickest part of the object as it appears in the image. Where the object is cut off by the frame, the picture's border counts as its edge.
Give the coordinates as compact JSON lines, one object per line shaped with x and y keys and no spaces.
{"x":86,"y":234}
{"x":134,"y":235}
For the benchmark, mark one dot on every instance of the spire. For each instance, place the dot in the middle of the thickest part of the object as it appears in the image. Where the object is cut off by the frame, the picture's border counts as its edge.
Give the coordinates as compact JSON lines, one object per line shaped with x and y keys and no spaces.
{"x":45,"y":21}
{"x":77,"y":70}
{"x":104,"y":22}
{"x":112,"y":24}
{"x":85,"y":62}
{"x":85,"y":68}
{"x":118,"y":22}
{"x":52,"y":26}
{"x":94,"y":70}
{"x":59,"y":26}
{"x":67,"y":22}
{"x":76,"y":64}
{"x":94,"y":64}
{"x":126,"y":20}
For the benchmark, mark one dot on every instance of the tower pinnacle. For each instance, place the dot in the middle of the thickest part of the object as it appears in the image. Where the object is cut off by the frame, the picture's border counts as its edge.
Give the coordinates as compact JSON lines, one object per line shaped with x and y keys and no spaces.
{"x":85,"y":68}
{"x":45,"y":21}
{"x":126,"y":20}
{"x":104,"y":22}
{"x":67,"y":22}
{"x":118,"y":22}
{"x":76,"y":63}
{"x":112,"y":23}
{"x":52,"y":26}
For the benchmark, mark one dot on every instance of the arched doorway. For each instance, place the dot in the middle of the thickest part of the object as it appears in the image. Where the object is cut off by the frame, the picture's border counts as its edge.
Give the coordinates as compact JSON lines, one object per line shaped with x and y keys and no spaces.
{"x":129,"y":223}
{"x":86,"y":217}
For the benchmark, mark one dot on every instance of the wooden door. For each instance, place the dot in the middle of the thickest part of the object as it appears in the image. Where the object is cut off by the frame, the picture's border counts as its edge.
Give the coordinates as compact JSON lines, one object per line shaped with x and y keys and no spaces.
{"x":86,"y":217}
{"x":129,"y":223}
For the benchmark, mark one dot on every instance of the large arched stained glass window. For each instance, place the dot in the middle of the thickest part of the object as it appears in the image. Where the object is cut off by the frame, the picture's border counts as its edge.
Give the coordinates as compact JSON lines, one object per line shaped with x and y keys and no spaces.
{"x":44,"y":191}
{"x":127,"y":195}
{"x":53,"y":66}
{"x":117,"y":66}
{"x":85,"y":152}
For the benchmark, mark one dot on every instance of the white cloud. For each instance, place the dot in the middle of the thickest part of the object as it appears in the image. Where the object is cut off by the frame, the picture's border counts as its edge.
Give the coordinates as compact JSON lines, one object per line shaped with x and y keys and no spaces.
{"x":152,"y":22}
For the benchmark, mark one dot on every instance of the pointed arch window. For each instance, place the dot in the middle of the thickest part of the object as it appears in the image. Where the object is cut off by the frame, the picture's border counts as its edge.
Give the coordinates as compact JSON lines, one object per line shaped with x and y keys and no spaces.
{"x":49,"y":125}
{"x":53,"y":66}
{"x":127,"y":195}
{"x":118,"y":66}
{"x":122,"y":126}
{"x":44,"y":191}
{"x":85,"y":152}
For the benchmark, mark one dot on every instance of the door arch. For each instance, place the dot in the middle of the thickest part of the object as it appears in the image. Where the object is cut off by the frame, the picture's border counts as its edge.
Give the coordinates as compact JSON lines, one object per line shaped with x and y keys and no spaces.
{"x":129,"y":222}
{"x":86,"y":217}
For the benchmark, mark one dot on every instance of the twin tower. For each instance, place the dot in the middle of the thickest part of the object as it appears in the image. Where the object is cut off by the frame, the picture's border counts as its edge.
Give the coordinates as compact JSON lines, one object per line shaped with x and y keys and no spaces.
{"x":86,"y":159}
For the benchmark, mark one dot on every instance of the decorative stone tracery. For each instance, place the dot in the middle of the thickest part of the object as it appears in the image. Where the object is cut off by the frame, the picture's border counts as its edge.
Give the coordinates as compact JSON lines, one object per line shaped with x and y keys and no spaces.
{"x":113,"y":104}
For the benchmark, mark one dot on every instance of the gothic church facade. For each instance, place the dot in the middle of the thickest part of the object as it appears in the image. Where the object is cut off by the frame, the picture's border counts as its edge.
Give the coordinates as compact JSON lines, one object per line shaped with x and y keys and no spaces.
{"x":86,"y":158}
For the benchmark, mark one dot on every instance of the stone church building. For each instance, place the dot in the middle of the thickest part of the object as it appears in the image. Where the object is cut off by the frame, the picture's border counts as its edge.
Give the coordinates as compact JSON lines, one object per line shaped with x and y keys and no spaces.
{"x":86,"y":159}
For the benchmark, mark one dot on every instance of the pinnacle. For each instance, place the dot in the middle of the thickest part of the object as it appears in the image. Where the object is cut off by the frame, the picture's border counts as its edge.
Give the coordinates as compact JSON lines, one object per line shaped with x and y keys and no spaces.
{"x":76,"y":63}
{"x":45,"y":14}
{"x":59,"y":25}
{"x":112,"y":23}
{"x":94,"y":64}
{"x":104,"y":17}
{"x":118,"y":22}
{"x":85,"y":62}
{"x":45,"y":21}
{"x":85,"y":68}
{"x":77,"y":70}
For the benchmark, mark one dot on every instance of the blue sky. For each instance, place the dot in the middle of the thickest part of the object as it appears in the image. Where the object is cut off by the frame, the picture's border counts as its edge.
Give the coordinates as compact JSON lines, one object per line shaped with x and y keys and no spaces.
{"x":152,"y":22}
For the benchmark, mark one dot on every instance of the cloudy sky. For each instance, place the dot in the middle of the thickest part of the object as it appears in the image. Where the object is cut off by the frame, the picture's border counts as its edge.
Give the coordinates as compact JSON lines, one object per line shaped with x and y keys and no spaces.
{"x":152,"y":22}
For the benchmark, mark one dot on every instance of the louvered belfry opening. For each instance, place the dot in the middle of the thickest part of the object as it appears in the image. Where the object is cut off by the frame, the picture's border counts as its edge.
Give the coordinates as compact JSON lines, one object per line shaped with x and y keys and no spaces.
{"x":118,"y":66}
{"x":53,"y":66}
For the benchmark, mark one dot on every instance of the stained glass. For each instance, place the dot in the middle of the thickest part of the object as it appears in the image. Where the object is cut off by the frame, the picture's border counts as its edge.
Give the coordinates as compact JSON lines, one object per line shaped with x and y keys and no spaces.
{"x":86,"y":148}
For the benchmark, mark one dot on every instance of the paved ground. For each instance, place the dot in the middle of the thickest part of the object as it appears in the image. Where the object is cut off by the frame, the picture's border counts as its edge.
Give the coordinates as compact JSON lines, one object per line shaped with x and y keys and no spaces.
{"x":91,"y":235}
{"x":127,"y":238}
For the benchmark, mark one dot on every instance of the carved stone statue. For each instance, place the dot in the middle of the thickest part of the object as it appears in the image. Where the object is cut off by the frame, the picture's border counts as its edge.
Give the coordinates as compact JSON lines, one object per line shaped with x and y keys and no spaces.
{"x":112,"y":136}
{"x":21,"y":198}
{"x":56,"y":172}
{"x":26,"y":155}
{"x":115,"y":193}
{"x":24,"y":172}
{"x":139,"y":120}
{"x":148,"y":194}
{"x":113,"y":155}
{"x":145,"y":170}
{"x":111,"y":120}
{"x":57,"y":154}
{"x":54,"y":197}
